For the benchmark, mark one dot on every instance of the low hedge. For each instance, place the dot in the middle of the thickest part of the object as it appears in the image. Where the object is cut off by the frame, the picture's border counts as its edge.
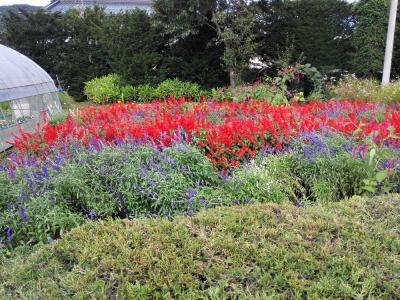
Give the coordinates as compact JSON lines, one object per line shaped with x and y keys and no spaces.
{"x":344,"y":250}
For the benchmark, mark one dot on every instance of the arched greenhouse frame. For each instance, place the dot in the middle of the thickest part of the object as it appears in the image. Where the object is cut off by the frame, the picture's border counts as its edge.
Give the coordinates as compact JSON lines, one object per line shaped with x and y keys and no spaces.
{"x":27,"y":93}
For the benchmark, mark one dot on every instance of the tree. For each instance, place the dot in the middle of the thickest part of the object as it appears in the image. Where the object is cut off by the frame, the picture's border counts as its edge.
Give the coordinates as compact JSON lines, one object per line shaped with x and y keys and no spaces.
{"x":233,"y":22}
{"x":133,"y":47}
{"x":66,"y":46}
{"x":82,"y":55}
{"x":320,"y":29}
{"x":369,"y":37}
{"x":38,"y":35}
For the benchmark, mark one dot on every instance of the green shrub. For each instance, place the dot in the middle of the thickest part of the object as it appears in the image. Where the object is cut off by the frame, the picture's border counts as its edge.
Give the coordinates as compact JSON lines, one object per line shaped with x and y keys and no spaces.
{"x":106,"y":89}
{"x":144,"y":93}
{"x":327,"y":169}
{"x":266,"y":251}
{"x":121,"y":182}
{"x":292,"y":82}
{"x":270,"y":91}
{"x":266,"y":180}
{"x":67,"y":102}
{"x":127,"y":93}
{"x":178,"y":89}
{"x":366,"y":89}
{"x":169,"y":88}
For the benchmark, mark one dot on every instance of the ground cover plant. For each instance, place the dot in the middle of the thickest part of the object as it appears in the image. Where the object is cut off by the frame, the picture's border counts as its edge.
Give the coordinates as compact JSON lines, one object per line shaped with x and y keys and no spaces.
{"x":344,"y":250}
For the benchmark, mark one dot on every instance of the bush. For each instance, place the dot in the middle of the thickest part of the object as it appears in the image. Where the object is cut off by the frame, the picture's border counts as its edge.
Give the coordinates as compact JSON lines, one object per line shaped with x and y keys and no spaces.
{"x":263,"y":180}
{"x":178,"y":89}
{"x":67,"y":102}
{"x":332,"y":167}
{"x":144,"y":93}
{"x":346,"y":250}
{"x":106,"y":89}
{"x":351,"y":87}
{"x":123,"y":181}
{"x":169,"y":88}
{"x":269,"y":91}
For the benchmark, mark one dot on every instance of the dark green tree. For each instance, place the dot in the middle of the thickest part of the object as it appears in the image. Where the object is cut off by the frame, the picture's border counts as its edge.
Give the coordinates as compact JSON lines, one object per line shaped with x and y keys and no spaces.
{"x":321,"y":30}
{"x":39,"y":35}
{"x":133,"y":47}
{"x":370,"y":36}
{"x":233,"y":22}
{"x":82,"y":55}
{"x":196,"y":58}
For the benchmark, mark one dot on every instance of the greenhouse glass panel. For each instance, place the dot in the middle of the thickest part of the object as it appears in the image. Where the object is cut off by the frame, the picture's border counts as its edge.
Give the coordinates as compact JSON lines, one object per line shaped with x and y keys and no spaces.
{"x":27,"y":95}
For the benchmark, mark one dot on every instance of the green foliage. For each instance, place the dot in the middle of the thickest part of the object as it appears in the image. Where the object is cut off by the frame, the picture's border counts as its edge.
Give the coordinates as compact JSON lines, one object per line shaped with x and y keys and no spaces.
{"x":82,"y":56}
{"x":265,"y":180}
{"x":292,"y":82}
{"x":232,"y":22}
{"x":327,"y":168}
{"x":144,"y":93}
{"x":133,"y":47}
{"x":103,"y":90}
{"x":108,"y":89}
{"x":345,"y":250}
{"x":321,"y":30}
{"x":67,"y":102}
{"x":45,"y":222}
{"x":126,"y":181}
{"x":168,"y":88}
{"x":178,"y":89}
{"x":271,"y":91}
{"x":382,"y":180}
{"x":371,"y":29}
{"x":351,"y":87}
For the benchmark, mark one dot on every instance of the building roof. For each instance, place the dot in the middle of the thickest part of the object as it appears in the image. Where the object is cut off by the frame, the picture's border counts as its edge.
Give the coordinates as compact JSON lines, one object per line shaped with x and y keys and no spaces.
{"x":21,"y":77}
{"x":110,"y":6}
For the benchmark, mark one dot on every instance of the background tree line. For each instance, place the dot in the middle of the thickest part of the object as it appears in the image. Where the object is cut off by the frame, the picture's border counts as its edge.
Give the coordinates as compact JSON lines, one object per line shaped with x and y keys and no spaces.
{"x":209,"y":42}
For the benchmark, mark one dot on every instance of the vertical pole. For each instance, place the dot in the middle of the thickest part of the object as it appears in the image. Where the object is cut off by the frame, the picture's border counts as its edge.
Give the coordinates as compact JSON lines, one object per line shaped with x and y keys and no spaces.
{"x":389,"y":43}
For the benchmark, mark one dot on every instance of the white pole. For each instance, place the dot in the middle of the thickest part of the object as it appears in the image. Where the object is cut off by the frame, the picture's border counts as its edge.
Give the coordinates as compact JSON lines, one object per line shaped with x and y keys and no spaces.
{"x":389,"y":43}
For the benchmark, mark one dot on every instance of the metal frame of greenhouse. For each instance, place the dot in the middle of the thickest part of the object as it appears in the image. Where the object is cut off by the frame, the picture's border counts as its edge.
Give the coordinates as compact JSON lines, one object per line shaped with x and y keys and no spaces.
{"x":27,"y":93}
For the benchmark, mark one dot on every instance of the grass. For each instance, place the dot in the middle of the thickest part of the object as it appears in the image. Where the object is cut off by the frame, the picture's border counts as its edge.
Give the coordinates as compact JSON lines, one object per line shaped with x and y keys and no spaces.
{"x":345,"y":250}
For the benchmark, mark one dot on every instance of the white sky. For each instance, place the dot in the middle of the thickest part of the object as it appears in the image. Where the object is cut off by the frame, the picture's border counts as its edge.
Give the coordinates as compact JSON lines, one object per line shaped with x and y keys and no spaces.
{"x":30,"y":2}
{"x":44,"y":2}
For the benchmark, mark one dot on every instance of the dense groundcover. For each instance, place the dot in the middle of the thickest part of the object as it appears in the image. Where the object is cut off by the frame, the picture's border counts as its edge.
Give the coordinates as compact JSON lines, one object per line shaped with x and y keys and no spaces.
{"x":345,"y":250}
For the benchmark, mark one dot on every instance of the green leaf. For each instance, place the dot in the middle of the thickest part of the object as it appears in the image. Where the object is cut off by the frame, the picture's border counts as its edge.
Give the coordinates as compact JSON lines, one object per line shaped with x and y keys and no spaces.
{"x":372,"y":154}
{"x":381,"y":176}
{"x":369,"y":188}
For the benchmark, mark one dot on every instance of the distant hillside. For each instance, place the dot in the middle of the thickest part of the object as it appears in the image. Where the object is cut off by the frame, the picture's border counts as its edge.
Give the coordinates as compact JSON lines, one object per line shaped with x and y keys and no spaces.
{"x":15,"y":7}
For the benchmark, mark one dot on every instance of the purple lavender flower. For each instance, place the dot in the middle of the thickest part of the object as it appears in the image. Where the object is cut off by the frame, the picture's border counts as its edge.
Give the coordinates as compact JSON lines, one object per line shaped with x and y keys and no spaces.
{"x":191,"y":193}
{"x":203,"y":202}
{"x":92,"y":215}
{"x":11,"y":174}
{"x":45,"y":173}
{"x":22,"y":213}
{"x":8,"y":232}
{"x":21,"y":197}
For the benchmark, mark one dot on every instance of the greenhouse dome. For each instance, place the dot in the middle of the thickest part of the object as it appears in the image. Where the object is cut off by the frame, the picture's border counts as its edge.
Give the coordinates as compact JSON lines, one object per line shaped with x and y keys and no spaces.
{"x":27,"y":93}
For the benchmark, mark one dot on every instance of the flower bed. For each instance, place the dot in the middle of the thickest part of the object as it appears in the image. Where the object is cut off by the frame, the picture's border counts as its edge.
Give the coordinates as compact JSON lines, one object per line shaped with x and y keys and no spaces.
{"x":177,"y":157}
{"x":228,"y":133}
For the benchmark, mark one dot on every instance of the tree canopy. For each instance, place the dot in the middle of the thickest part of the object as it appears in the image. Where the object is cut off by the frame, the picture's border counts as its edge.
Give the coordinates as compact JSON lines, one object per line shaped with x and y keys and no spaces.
{"x":209,"y":42}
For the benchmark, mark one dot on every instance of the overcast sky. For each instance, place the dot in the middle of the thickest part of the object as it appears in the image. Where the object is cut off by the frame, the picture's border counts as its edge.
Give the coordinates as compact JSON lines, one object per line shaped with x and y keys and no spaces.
{"x":43,"y":2}
{"x":31,"y":2}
